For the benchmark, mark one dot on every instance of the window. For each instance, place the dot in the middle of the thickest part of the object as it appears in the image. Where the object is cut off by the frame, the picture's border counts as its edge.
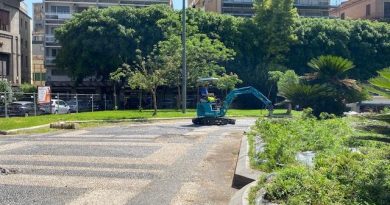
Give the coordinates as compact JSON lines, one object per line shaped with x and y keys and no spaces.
{"x":54,"y":52}
{"x":4,"y":20}
{"x":39,"y":76}
{"x":25,"y":24}
{"x":368,"y":10}
{"x":342,"y":16}
{"x":387,"y":10}
{"x":4,"y":64}
{"x":60,"y":9}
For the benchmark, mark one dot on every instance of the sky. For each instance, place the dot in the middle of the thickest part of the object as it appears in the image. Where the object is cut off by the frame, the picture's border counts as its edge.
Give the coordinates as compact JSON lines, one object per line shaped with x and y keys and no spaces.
{"x":177,"y":4}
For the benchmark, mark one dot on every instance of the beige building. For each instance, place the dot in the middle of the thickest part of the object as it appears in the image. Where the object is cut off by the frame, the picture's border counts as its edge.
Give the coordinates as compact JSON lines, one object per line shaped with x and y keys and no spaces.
{"x":362,"y":9}
{"x":15,"y":42}
{"x":38,"y":51}
{"x":310,"y":8}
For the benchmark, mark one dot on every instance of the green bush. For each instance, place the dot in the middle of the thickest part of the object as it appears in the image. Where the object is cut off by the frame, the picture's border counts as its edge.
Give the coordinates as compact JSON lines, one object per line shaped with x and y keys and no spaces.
{"x":345,"y":178}
{"x":285,"y":137}
{"x":348,"y":168}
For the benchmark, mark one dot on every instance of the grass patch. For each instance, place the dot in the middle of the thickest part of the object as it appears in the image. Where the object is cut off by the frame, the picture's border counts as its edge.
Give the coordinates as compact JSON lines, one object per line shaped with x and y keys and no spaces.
{"x":22,"y":122}
{"x":351,"y":165}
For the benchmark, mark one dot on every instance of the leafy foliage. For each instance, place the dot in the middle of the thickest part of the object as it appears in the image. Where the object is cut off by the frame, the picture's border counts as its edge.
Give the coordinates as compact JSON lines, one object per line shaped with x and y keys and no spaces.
{"x":285,"y":137}
{"x":341,"y":175}
{"x":6,"y":91}
{"x":381,"y":84}
{"x":275,"y":20}
{"x":97,"y":40}
{"x":28,"y":88}
{"x":327,"y":89}
{"x":146,"y":74}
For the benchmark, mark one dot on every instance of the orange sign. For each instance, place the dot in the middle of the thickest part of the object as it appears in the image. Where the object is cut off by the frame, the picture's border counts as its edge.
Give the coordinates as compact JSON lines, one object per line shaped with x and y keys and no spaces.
{"x":44,"y":94}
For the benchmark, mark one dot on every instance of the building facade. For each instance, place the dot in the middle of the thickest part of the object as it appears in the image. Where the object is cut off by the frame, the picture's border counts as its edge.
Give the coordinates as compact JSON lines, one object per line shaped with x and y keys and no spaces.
{"x":38,"y":67}
{"x":244,"y":8}
{"x":362,"y":9}
{"x":15,"y":42}
{"x":56,"y":12}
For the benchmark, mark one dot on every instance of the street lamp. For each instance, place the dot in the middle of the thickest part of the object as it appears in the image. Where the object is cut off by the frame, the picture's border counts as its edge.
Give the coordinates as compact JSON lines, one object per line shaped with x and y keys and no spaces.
{"x":184,"y":69}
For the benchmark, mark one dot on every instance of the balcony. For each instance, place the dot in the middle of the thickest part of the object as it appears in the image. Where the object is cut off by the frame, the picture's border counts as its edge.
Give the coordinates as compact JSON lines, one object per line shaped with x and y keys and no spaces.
{"x":51,"y":15}
{"x":50,"y":60}
{"x":50,"y":39}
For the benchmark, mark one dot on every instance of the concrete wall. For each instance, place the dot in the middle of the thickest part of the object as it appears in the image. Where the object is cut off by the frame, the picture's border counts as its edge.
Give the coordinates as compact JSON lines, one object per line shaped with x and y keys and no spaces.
{"x":11,"y":41}
{"x":356,"y":9}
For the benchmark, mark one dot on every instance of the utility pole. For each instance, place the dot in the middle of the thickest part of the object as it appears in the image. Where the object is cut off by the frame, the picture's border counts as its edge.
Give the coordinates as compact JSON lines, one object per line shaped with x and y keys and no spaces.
{"x":183,"y":58}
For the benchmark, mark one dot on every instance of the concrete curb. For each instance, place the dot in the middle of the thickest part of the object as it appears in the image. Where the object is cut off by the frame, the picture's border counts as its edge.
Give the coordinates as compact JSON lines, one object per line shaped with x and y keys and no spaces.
{"x":241,"y":196}
{"x":243,"y":174}
{"x":13,"y":131}
{"x":9,"y":132}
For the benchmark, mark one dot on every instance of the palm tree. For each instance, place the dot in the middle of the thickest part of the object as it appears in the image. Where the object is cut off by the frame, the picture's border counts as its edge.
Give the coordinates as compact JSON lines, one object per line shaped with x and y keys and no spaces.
{"x":333,"y":72}
{"x":381,"y":84}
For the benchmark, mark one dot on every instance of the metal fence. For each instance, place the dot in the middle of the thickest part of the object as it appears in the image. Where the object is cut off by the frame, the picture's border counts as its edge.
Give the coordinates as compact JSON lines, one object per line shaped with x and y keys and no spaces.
{"x":26,"y":104}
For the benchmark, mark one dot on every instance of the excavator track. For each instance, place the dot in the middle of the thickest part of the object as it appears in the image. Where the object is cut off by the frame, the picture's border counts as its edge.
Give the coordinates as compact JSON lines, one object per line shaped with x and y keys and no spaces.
{"x":213,"y":121}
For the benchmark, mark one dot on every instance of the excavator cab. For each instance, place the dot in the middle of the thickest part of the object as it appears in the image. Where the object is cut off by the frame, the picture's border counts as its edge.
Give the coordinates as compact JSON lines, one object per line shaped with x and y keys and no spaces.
{"x":208,"y":105}
{"x":210,"y":111}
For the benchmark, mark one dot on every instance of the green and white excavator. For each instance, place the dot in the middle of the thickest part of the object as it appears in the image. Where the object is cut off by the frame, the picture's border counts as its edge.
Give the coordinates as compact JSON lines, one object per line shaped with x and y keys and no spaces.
{"x":212,"y":112}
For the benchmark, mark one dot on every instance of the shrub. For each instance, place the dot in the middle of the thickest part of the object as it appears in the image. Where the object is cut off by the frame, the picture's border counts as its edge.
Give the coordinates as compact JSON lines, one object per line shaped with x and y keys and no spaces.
{"x":286,"y":137}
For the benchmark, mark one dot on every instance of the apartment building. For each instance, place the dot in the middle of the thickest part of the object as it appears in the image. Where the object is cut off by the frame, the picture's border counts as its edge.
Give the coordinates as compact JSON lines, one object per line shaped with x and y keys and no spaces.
{"x":244,"y":8}
{"x":15,"y":42}
{"x":38,"y":67}
{"x":56,"y":12}
{"x":362,"y":9}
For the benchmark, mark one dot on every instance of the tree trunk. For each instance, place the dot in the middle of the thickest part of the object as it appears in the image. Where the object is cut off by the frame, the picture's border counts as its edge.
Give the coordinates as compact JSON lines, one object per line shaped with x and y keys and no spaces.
{"x":269,"y":91}
{"x":154,"y":101}
{"x":178,"y":100}
{"x":140,"y":100}
{"x":289,"y":108}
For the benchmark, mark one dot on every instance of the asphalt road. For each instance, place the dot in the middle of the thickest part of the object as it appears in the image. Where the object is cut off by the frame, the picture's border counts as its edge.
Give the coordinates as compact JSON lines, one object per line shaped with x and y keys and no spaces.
{"x":171,"y":162}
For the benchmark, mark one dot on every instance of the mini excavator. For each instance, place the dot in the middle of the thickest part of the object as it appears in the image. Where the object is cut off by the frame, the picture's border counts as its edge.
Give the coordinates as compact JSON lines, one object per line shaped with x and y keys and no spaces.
{"x":212,"y":112}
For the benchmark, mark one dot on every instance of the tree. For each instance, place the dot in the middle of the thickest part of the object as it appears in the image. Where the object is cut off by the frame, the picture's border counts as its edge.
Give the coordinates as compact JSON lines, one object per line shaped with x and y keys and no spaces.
{"x":205,"y":58}
{"x":96,"y":41}
{"x":380,"y":85}
{"x":146,"y":74}
{"x":287,"y":79}
{"x":273,"y":77}
{"x":275,"y":19}
{"x":6,"y":91}
{"x":228,"y":82}
{"x":327,"y":89}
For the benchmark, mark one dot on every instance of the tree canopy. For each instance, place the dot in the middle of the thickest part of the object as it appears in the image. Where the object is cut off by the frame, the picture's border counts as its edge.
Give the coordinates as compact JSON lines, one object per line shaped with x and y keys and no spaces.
{"x":97,"y":41}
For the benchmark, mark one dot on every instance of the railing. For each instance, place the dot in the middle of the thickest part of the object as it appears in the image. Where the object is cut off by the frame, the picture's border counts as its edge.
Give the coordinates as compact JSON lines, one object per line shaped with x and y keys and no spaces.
{"x":50,"y":39}
{"x":49,"y":60}
{"x":51,"y":15}
{"x":19,"y":104}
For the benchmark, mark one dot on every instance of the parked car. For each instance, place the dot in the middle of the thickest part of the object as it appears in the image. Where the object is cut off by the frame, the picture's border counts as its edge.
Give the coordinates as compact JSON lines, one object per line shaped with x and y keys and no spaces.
{"x":56,"y":107}
{"x":83,"y":106}
{"x":23,"y":108}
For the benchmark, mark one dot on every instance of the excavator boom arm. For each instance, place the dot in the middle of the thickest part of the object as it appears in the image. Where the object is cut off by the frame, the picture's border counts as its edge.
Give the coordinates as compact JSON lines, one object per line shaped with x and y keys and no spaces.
{"x":240,"y":91}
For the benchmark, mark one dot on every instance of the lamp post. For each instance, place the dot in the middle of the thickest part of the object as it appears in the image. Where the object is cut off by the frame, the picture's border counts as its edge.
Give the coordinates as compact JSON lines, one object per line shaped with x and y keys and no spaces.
{"x":184,"y":69}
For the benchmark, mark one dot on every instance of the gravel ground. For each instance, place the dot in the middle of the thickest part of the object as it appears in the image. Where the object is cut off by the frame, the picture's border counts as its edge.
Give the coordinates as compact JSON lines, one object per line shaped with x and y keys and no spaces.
{"x":171,"y":162}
